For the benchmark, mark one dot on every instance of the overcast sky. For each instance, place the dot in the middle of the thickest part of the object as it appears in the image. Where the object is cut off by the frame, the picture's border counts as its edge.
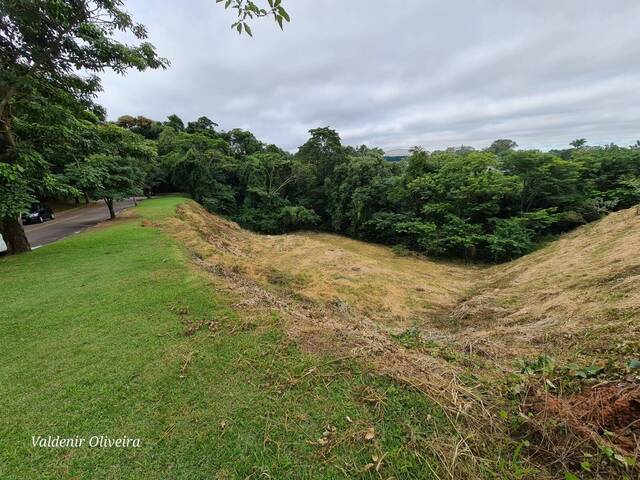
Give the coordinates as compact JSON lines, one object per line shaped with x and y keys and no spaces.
{"x":397,"y":73}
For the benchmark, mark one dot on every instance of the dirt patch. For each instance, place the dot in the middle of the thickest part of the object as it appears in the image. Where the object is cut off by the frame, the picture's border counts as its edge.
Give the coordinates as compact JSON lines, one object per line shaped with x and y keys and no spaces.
{"x":608,"y":415}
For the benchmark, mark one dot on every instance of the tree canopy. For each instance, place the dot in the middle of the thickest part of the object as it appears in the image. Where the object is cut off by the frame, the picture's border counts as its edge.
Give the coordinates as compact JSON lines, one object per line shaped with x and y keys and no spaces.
{"x":51,"y":55}
{"x":491,"y":204}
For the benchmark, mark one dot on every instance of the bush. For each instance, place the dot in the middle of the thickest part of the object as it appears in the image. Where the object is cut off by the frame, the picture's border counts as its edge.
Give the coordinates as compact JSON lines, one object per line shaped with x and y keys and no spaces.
{"x":510,"y":239}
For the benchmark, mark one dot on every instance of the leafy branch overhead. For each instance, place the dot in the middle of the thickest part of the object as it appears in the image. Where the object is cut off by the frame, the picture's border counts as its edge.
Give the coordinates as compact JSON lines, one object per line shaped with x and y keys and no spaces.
{"x":248,"y":10}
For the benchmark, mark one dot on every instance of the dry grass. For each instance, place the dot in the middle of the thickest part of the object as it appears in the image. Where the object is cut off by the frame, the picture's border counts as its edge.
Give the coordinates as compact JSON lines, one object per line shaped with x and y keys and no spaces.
{"x":580,"y":294}
{"x":583,"y":290}
{"x":352,"y":299}
{"x":348,"y":299}
{"x":340,"y":296}
{"x":370,"y":279}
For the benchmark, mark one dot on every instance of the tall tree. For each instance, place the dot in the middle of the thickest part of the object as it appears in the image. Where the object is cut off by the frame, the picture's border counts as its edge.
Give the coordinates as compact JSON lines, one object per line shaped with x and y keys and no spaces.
{"x":175,"y":122}
{"x":202,"y":125}
{"x":43,"y":45}
{"x":146,"y":127}
{"x":502,"y":146}
{"x":119,"y":178}
{"x":243,"y":143}
{"x":578,"y":143}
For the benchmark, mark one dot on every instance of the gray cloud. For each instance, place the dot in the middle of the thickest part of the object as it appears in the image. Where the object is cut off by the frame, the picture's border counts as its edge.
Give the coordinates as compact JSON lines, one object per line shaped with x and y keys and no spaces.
{"x":398,"y":74}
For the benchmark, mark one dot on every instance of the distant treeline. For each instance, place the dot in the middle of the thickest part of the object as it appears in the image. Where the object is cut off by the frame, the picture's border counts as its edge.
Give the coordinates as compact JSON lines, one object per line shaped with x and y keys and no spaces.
{"x":494,"y":204}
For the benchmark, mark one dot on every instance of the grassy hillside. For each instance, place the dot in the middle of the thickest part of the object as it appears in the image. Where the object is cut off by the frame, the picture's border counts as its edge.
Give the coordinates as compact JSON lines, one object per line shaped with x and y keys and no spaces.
{"x":112,"y":332}
{"x":496,"y":347}
{"x":232,"y":354}
{"x":576,"y":299}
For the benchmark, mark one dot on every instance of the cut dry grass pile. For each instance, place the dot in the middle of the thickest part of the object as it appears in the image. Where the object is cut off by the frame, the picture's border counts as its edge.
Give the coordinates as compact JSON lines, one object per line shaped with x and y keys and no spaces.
{"x":612,"y":408}
{"x":435,"y":325}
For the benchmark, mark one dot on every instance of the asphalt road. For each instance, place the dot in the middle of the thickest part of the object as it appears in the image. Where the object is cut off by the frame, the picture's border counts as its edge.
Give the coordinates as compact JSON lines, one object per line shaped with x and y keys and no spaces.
{"x":70,"y":222}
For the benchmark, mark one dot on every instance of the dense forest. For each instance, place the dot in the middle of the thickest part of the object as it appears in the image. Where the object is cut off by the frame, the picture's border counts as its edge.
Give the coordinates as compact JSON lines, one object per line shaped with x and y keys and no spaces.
{"x":494,"y":204}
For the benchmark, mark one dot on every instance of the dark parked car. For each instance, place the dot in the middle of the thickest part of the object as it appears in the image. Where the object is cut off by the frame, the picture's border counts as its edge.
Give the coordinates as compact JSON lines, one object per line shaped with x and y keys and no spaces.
{"x":38,"y":213}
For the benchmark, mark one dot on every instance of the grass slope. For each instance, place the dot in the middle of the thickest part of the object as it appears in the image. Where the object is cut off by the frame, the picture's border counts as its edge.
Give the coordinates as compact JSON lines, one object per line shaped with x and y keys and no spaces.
{"x":92,"y":331}
{"x":462,"y":334}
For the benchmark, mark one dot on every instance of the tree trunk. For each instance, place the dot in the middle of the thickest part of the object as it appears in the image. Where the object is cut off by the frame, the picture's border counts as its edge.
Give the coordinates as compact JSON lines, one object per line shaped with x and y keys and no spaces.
{"x":135,"y":201}
{"x":10,"y":228}
{"x":14,"y":236}
{"x":86,"y":198}
{"x":5,"y":124}
{"x":112,"y":212}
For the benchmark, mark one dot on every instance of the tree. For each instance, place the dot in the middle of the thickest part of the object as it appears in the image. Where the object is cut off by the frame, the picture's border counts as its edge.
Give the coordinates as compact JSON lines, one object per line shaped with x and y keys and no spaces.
{"x":54,"y":130}
{"x":86,"y":176}
{"x":175,"y":122}
{"x":579,"y":143}
{"x":357,"y":190}
{"x":142,"y":153}
{"x":319,"y":156}
{"x":460,"y":198}
{"x":202,"y":125}
{"x":142,"y":125}
{"x":119,"y":178}
{"x":548,"y":180}
{"x":243,"y":143}
{"x":118,"y":152}
{"x":43,"y":46}
{"x":502,"y":146}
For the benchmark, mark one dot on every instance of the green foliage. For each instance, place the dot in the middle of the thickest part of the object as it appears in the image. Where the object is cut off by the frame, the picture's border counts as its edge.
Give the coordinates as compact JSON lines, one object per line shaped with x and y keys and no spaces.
{"x":141,"y":125}
{"x":357,"y":190}
{"x":495,"y":204}
{"x":294,"y":217}
{"x":502,"y":146}
{"x":247,"y":10}
{"x":15,"y":193}
{"x":118,"y":177}
{"x":248,"y":401}
{"x":50,"y":53}
{"x":201,"y":125}
{"x":174,"y":122}
{"x":510,"y":239}
{"x":547,"y":180}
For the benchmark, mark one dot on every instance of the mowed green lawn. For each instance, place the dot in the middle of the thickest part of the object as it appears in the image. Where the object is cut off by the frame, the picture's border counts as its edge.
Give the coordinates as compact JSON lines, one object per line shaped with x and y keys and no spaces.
{"x":93,"y":343}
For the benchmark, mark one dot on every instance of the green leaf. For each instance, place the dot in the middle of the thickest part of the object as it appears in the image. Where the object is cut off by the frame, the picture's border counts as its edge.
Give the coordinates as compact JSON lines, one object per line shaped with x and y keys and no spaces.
{"x":634,"y":364}
{"x":570,"y":476}
{"x":284,"y":14}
